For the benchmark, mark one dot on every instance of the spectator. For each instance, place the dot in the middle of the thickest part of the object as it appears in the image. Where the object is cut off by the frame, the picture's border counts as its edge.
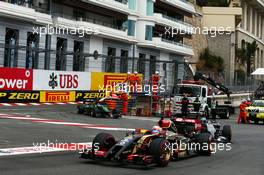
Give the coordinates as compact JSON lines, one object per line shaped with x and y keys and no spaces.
{"x":213,"y":108}
{"x":185,"y":104}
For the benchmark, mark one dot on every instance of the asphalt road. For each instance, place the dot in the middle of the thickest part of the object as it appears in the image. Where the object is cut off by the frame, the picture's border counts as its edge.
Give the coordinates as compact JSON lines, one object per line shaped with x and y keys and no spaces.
{"x":246,"y":156}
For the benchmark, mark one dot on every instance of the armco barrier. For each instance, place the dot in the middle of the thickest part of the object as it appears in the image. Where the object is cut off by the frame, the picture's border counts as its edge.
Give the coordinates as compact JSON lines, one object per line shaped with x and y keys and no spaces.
{"x":235,"y":98}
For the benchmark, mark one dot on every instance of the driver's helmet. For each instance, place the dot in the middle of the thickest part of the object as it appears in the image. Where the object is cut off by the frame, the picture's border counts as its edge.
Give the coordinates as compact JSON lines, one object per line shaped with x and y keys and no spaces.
{"x":203,"y":120}
{"x":156,"y":130}
{"x":165,"y":124}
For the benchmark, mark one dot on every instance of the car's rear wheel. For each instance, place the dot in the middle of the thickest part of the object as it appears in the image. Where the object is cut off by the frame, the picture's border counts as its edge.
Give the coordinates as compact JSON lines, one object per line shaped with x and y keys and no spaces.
{"x":159,"y":148}
{"x":80,"y":111}
{"x":227,"y":115}
{"x":256,"y":121}
{"x":227,"y":132}
{"x":205,"y":147}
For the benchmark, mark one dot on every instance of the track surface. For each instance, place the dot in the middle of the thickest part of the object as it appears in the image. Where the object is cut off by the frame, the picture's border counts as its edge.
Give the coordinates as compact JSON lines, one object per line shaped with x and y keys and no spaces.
{"x":246,"y":156}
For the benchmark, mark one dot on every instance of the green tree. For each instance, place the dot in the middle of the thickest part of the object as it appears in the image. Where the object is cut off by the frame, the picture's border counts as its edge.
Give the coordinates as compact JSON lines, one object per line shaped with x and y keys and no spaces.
{"x":250,"y":54}
{"x":241,"y":75}
{"x":211,"y":62}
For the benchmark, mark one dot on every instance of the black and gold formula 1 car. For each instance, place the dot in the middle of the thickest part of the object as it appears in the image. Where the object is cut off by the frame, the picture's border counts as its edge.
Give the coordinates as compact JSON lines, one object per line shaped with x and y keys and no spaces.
{"x":148,"y":147}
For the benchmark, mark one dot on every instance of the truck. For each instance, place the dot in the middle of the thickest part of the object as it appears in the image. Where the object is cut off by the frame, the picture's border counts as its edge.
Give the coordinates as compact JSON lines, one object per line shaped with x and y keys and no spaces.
{"x":198,"y":88}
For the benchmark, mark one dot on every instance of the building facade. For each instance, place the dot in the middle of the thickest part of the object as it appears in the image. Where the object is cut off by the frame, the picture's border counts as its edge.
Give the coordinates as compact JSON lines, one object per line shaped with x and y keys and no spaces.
{"x":251,"y":29}
{"x":98,"y":36}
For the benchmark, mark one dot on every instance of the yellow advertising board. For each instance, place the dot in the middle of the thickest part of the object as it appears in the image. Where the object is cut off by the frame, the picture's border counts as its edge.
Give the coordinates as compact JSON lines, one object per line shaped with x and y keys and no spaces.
{"x":103,"y":80}
{"x":52,"y":97}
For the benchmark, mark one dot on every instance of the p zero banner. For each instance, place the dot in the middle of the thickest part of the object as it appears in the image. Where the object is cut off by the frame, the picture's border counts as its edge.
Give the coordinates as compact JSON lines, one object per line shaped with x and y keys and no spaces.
{"x":15,"y":79}
{"x":53,"y":97}
{"x":61,"y":80}
{"x":19,"y":97}
{"x":83,"y":95}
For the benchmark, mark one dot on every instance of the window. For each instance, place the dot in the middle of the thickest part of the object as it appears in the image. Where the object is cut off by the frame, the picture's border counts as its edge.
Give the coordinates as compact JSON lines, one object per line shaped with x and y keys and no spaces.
{"x":110,"y":60}
{"x":141,"y":63}
{"x":131,"y":28}
{"x":132,"y":4}
{"x":204,"y":92}
{"x":124,"y":61}
{"x":61,"y":54}
{"x":11,"y":48}
{"x":152,"y":65}
{"x":32,"y":51}
{"x":243,"y":44}
{"x":149,"y":33}
{"x":79,"y":15}
{"x":150,"y":8}
{"x":78,"y":58}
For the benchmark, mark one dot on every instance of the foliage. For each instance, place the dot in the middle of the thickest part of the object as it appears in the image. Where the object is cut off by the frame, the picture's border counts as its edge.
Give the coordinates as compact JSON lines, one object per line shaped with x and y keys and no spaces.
{"x":246,"y":55}
{"x":241,"y":75}
{"x":211,"y":62}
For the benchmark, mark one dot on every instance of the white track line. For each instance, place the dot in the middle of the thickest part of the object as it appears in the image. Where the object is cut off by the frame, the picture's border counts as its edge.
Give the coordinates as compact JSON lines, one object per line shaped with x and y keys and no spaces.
{"x":48,"y":104}
{"x":43,"y":148}
{"x":72,"y":103}
{"x":35,"y":104}
{"x":60,"y":103}
{"x":20,"y":104}
{"x":6,"y":104}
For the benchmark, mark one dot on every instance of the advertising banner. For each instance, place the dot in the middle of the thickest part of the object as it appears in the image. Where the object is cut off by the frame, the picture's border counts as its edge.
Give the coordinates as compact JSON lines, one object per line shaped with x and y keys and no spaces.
{"x":16,"y":79}
{"x":83,"y":95}
{"x":19,"y":97}
{"x":61,"y":80}
{"x":54,"y":97}
{"x":103,"y":81}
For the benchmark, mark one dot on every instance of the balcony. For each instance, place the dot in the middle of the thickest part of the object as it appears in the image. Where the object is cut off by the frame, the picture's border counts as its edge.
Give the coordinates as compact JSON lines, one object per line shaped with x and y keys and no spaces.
{"x":167,"y":45}
{"x":96,"y":27}
{"x":181,"y":4}
{"x":165,"y":20}
{"x":261,"y":2}
{"x":116,"y":5}
{"x":23,"y":13}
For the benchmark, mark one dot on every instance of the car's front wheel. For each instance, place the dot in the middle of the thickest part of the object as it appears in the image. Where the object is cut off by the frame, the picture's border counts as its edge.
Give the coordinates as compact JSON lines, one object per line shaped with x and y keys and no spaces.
{"x":159,"y":148}
{"x":227,"y":132}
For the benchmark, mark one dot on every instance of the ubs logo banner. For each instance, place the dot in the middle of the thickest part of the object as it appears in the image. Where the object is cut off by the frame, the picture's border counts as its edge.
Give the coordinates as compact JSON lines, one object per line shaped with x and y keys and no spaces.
{"x":61,"y":80}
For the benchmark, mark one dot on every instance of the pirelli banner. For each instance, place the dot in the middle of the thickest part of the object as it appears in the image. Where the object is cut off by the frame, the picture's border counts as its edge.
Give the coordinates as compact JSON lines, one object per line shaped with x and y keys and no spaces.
{"x":53,"y":97}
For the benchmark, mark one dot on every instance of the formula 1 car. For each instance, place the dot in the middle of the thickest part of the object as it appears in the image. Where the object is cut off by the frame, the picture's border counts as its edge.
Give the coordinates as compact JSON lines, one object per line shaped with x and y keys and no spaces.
{"x":147,"y":147}
{"x":198,"y":124}
{"x":97,"y":109}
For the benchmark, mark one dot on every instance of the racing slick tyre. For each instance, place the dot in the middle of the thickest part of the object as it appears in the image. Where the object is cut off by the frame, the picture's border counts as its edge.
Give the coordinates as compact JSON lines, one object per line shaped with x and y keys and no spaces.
{"x":204,"y":140}
{"x":159,"y":148}
{"x":80,"y":111}
{"x":227,"y":132}
{"x":256,"y":121}
{"x":206,"y":113}
{"x":103,"y":142}
{"x":227,"y":114}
